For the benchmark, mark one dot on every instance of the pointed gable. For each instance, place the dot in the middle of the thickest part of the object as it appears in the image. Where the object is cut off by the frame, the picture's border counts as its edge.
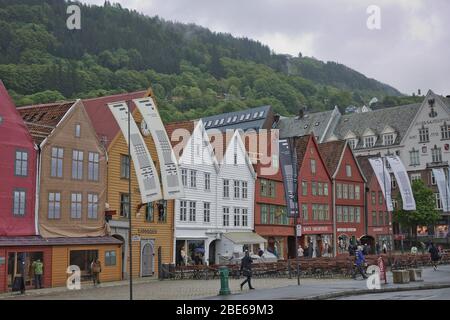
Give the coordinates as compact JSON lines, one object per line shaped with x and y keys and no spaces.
{"x":235,"y":152}
{"x":332,"y":153}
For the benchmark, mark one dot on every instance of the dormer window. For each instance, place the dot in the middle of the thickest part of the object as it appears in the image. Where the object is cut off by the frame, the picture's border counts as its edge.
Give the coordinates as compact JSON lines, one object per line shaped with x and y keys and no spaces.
{"x":229,"y":120}
{"x":242,"y":117}
{"x":216,"y":122}
{"x":221,"y":121}
{"x":369,"y":142}
{"x":353,"y":143}
{"x":234,"y":118}
{"x":388,"y":139}
{"x":261,"y":114}
{"x":247,"y":116}
{"x":255,"y":115}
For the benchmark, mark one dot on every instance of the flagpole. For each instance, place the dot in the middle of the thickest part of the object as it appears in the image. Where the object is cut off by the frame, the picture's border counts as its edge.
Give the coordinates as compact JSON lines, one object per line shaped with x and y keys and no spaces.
{"x":390,"y":226}
{"x":130,"y":239}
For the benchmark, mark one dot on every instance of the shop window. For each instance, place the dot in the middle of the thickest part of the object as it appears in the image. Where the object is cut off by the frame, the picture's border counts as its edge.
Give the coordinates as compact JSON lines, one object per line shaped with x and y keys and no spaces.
{"x":110,"y":258}
{"x":21,"y":262}
{"x":83,"y":259}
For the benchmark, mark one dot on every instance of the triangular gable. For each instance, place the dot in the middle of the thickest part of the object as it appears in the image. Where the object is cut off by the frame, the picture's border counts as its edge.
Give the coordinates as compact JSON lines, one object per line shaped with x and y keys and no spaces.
{"x":388,"y":129}
{"x":236,"y":142}
{"x":312,"y":140}
{"x":350,"y":135}
{"x":344,"y":150}
{"x":369,"y":132}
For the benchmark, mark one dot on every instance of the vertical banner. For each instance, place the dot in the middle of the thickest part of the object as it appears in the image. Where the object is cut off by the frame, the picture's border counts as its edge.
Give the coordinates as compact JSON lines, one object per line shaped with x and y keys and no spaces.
{"x":409,"y":204}
{"x":439,"y":177}
{"x":288,"y":173}
{"x":143,"y":164}
{"x":170,"y":172}
{"x":384,"y":180}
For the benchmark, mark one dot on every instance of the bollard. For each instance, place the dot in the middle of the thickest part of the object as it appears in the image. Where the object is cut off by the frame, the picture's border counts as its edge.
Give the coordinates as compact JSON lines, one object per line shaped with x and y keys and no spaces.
{"x":224,"y":288}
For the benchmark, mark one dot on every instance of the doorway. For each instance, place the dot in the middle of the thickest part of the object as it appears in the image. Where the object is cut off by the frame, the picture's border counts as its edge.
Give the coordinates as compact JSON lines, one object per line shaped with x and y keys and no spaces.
{"x":212,"y":253}
{"x":147,"y":258}
{"x":291,"y":247}
{"x":124,"y":264}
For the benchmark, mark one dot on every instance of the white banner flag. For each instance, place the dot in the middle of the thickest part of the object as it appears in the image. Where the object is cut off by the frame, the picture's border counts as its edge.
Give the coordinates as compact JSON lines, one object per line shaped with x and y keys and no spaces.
{"x":384,"y":180}
{"x":439,"y":177}
{"x":170,"y":173}
{"x":409,"y":204}
{"x":146,"y":173}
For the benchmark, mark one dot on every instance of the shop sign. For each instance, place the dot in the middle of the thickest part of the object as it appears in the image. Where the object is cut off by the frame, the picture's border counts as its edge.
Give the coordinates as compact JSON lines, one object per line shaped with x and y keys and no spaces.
{"x":147,"y":231}
{"x":299,"y":230}
{"x":316,"y":229}
{"x":346,"y":229}
{"x":136,"y":238}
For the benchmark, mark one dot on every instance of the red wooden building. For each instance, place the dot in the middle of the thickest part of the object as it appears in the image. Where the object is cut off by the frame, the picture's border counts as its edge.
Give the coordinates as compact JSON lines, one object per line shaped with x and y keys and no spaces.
{"x":315,"y":199}
{"x":379,"y":220}
{"x":348,"y":193}
{"x":19,"y":245}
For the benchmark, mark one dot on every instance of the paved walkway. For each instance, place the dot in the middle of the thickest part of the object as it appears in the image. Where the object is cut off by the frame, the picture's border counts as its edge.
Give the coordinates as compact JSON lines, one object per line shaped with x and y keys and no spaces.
{"x":267,"y":289}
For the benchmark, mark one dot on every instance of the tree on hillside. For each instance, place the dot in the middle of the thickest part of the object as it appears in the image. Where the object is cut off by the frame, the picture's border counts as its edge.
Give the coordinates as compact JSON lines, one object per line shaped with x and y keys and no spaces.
{"x":425,"y":213}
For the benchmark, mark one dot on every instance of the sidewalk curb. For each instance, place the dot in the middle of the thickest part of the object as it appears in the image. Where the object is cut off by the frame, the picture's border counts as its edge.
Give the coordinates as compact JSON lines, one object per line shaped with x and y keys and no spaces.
{"x":349,"y":293}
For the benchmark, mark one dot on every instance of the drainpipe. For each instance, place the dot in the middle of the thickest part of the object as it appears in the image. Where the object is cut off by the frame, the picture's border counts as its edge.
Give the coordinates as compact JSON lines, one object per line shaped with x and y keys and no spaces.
{"x":366,"y":210}
{"x":38,"y":188}
{"x":333,"y":183}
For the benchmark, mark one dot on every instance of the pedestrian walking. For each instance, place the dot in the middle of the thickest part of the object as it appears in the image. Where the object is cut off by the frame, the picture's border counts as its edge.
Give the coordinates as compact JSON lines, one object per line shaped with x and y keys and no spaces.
{"x":434,"y":255}
{"x":37,"y":267}
{"x":378,"y":248}
{"x":96,"y":268}
{"x":246,"y":269}
{"x":300,"y":251}
{"x":384,"y":247}
{"x":359,"y":263}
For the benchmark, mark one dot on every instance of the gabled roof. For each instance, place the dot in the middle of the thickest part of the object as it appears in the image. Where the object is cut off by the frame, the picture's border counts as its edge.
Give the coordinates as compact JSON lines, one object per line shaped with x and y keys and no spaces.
{"x":301,"y":143}
{"x":254,"y":118}
{"x":42,"y":119}
{"x":317,"y":123}
{"x":240,"y":144}
{"x":171,"y":127}
{"x":331,"y":153}
{"x":365,"y":166}
{"x":101,"y":117}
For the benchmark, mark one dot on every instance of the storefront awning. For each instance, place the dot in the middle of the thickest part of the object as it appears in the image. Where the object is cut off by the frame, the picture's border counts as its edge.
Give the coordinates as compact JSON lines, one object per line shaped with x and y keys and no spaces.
{"x":244,"y":237}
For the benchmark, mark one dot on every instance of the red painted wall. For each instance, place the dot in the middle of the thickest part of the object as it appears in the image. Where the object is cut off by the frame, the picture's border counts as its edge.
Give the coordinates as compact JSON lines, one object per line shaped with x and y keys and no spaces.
{"x":355,"y":179}
{"x":378,"y":229}
{"x":15,"y":136}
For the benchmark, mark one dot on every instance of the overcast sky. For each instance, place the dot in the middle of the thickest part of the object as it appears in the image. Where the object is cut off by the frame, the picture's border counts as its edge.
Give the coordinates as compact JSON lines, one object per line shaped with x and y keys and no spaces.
{"x":410,"y":51}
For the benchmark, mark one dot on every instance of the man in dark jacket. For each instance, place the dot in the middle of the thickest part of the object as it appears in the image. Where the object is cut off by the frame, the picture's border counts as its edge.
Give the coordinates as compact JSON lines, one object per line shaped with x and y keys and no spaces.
{"x":246,"y":269}
{"x":434,"y":255}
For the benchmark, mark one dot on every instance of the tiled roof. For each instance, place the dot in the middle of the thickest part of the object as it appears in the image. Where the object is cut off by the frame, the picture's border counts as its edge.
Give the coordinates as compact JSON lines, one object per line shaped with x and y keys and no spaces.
{"x":40,"y":241}
{"x":301,"y":144}
{"x":42,"y":119}
{"x":331,"y":153}
{"x":365,"y":166}
{"x":101,"y":117}
{"x":315,"y":123}
{"x":254,"y":118}
{"x":186,"y":125}
{"x":398,"y":118}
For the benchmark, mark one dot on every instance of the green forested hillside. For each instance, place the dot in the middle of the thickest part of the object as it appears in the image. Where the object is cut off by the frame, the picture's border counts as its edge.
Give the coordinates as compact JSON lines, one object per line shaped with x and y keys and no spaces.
{"x":193,"y":71}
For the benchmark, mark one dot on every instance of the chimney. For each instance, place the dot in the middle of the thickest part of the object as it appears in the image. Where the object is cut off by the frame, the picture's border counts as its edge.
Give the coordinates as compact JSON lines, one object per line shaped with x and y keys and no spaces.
{"x":276,"y":118}
{"x":448,"y":96}
{"x":301,"y":113}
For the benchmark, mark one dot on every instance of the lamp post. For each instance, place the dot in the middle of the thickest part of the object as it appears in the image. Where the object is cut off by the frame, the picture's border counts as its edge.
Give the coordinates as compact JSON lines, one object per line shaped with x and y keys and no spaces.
{"x":130,"y":238}
{"x":295,"y":200}
{"x":391,"y":229}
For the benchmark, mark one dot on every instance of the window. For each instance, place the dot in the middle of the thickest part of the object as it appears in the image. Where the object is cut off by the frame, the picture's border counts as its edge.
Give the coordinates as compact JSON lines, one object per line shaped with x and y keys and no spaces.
{"x":445,"y":131}
{"x":374,"y":218}
{"x":345,"y":191}
{"x":150,"y":212}
{"x":436,"y":154}
{"x":183,"y":210}
{"x":380,"y":197}
{"x":315,"y":212}
{"x":226,"y":188}
{"x":193,"y":179}
{"x":207,"y":181}
{"x":54,"y":205}
{"x":235,"y":159}
{"x":237,"y":189}
{"x":75,"y":206}
{"x":326,"y":212}
{"x":19,"y":202}
{"x":192,"y":210}
{"x":348,"y":170}
{"x":184,"y":177}
{"x":380,"y":218}
{"x":226,"y":216}
{"x":374,"y":197}
{"x":358,"y":214}
{"x":110,"y":258}
{"x":244,"y":190}
{"x":345,"y":211}
{"x":234,"y":118}
{"x":351,"y":191}
{"x":237,"y":217}
{"x":313,"y":166}
{"x":320,"y":188}
{"x":245,"y":217}
{"x":124,"y":204}
{"x":57,"y":162}
{"x":414,"y":158}
{"x":357,"y":193}
{"x":206,"y":212}
{"x":314,"y":188}
{"x":162,"y":211}
{"x":416,"y":176}
{"x":339,"y":214}
{"x":424,"y":135}
{"x":264,"y":215}
{"x":247,"y":116}
{"x":353,"y":143}
{"x":271,"y":189}
{"x":388,"y":139}
{"x":438,"y":201}
{"x":369,"y":142}
{"x":386,"y":221}
{"x":433,"y":179}
{"x":77,"y":130}
{"x":351,"y":214}
{"x":263,"y":187}
{"x":272,"y":212}
{"x":304,"y":188}
{"x":21,"y":165}
{"x":339,"y":191}
{"x":92,"y":206}
{"x":325,"y":189}
{"x":77,"y":164}
{"x":305,"y":212}
{"x":93,"y":166}
{"x":124,"y":166}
